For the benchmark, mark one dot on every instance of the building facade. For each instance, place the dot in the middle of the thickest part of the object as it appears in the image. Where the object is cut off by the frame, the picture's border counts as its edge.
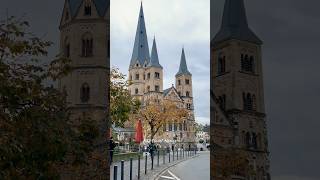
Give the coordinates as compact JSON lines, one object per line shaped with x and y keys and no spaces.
{"x":146,"y":77}
{"x":238,"y":121}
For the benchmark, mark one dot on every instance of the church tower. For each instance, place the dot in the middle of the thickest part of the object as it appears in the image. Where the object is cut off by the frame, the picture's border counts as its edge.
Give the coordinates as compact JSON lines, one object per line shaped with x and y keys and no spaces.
{"x":184,"y":88}
{"x":145,"y":72}
{"x":84,"y":38}
{"x":238,"y":120}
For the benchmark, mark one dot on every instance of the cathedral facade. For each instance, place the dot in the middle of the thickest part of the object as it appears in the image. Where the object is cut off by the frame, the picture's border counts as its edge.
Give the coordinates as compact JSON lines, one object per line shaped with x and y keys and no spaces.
{"x":238,"y":118}
{"x":146,"y":77}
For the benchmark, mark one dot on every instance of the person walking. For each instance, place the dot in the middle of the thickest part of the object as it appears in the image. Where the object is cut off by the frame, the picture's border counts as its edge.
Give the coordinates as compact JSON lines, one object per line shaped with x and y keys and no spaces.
{"x":112,"y":145}
{"x":152,"y":148}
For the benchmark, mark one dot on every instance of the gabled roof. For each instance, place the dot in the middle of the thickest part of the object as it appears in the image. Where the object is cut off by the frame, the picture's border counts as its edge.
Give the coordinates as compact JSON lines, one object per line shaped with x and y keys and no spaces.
{"x":101,"y":5}
{"x":154,"y":61}
{"x":234,"y":24}
{"x":140,"y":52}
{"x":183,"y":68}
{"x":167,"y":91}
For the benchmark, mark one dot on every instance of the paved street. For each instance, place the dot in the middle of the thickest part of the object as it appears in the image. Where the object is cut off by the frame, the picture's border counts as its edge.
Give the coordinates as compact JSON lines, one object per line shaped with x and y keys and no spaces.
{"x":142,"y":166}
{"x":195,"y":168}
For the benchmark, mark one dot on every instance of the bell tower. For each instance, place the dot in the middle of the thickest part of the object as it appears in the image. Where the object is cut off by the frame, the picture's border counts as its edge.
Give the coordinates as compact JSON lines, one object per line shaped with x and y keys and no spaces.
{"x":84,"y":38}
{"x":238,"y":91}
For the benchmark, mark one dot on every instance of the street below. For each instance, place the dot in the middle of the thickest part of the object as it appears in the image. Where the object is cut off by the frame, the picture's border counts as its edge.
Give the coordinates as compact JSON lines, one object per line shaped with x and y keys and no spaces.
{"x":197,"y":168}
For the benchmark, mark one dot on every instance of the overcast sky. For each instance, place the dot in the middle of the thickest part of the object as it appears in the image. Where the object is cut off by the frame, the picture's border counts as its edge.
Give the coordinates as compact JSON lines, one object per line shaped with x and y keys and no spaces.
{"x":174,"y":27}
{"x":290,"y":31}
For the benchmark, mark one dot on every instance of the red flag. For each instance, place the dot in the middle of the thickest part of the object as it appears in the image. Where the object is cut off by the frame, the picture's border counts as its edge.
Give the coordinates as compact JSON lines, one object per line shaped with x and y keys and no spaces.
{"x":139,"y":132}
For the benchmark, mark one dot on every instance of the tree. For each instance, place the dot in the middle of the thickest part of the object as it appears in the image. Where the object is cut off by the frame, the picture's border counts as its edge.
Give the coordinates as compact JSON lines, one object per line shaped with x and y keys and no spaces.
{"x":122,"y":104}
{"x":155,"y":115}
{"x":37,"y":138}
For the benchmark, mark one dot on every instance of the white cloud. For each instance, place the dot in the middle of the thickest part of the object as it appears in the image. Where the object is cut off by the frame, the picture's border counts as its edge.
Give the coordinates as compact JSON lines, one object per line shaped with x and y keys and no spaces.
{"x":175,"y":24}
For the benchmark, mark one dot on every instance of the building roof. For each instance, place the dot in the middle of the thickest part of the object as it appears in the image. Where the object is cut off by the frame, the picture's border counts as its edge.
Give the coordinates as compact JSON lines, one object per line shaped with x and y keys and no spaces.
{"x":140,"y":52}
{"x":154,"y":61}
{"x":234,"y":24}
{"x":101,"y":5}
{"x":183,"y":68}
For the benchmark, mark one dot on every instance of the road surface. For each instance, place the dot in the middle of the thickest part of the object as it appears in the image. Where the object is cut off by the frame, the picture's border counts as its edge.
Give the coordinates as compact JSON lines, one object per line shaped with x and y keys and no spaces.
{"x":193,"y":169}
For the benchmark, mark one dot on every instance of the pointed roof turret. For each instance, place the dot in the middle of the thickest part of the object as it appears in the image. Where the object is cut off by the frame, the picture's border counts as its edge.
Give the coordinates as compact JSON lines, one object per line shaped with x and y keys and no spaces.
{"x":140,"y":52}
{"x":183,"y":69}
{"x":234,"y":24}
{"x":101,"y":6}
{"x":154,"y":61}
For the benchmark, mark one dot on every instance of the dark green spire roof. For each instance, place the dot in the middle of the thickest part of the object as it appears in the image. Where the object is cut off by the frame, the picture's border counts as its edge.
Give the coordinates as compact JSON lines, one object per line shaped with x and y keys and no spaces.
{"x":183,"y":69}
{"x":234,"y":24}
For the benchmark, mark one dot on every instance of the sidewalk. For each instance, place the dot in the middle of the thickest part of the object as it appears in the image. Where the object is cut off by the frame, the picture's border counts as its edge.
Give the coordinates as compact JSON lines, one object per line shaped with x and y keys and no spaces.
{"x":150,"y":173}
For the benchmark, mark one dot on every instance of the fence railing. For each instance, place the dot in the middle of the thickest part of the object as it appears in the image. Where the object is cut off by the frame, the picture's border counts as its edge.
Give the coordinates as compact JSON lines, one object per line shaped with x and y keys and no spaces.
{"x":132,"y":168}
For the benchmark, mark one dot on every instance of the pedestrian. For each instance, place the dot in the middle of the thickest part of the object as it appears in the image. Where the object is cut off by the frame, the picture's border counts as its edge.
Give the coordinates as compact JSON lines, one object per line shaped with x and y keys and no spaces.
{"x":152,"y":149}
{"x":112,"y":145}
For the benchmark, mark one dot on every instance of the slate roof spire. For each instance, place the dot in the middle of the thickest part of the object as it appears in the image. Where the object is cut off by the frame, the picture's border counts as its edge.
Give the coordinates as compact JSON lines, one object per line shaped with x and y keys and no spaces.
{"x":140,"y":52}
{"x":183,"y":69}
{"x":154,"y":61}
{"x":101,"y":6}
{"x":234,"y":24}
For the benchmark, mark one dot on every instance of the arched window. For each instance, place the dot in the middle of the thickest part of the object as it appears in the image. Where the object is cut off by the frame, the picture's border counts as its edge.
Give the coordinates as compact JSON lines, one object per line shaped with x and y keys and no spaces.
{"x":247,"y":63}
{"x":248,"y":101}
{"x":170,"y":126}
{"x":175,"y":126}
{"x":66,"y":47}
{"x":251,"y":64}
{"x":221,"y":64}
{"x":188,"y":94}
{"x":254,"y":103}
{"x":87,"y":45}
{"x":248,"y":139}
{"x":254,"y":141}
{"x":85,"y":93}
{"x":87,"y":8}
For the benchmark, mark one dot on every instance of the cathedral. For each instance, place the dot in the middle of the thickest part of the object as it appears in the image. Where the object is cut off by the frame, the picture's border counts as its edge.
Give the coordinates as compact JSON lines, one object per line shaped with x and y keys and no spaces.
{"x":238,"y":118}
{"x":146,"y":77}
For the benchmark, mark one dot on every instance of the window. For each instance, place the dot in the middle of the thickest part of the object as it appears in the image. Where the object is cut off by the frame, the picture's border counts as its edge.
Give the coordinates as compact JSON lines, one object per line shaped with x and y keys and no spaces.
{"x":157,"y":75}
{"x":179,"y":82}
{"x":87,"y":45}
{"x":144,"y":76}
{"x":137,"y":76}
{"x":188,"y":106}
{"x":170,"y":126}
{"x":66,"y":48}
{"x":221,"y":64}
{"x":137,"y":91}
{"x":85,"y":93}
{"x":87,"y":8}
{"x":188,"y":94}
{"x":157,"y":89}
{"x":180,"y":127}
{"x":248,"y":139}
{"x":247,"y":63}
{"x":67,"y":15}
{"x":148,"y":75}
{"x":148,"y":88}
{"x":184,"y":125}
{"x":187,"y":81}
{"x":254,"y":141}
{"x":249,"y":103}
{"x":175,"y":126}
{"x":222,"y":101}
{"x":164,"y":127}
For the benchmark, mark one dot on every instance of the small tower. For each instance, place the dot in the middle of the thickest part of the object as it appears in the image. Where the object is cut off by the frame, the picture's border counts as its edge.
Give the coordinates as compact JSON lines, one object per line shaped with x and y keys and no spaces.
{"x":84,"y":38}
{"x":154,"y":76}
{"x":139,"y":60}
{"x":184,"y":88}
{"x":238,"y":120}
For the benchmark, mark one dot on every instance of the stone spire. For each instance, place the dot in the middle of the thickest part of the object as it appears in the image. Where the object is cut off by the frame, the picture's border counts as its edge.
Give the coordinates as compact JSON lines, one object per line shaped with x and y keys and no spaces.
{"x":183,"y":69}
{"x":140,"y":52}
{"x":154,"y":62}
{"x":234,"y":24}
